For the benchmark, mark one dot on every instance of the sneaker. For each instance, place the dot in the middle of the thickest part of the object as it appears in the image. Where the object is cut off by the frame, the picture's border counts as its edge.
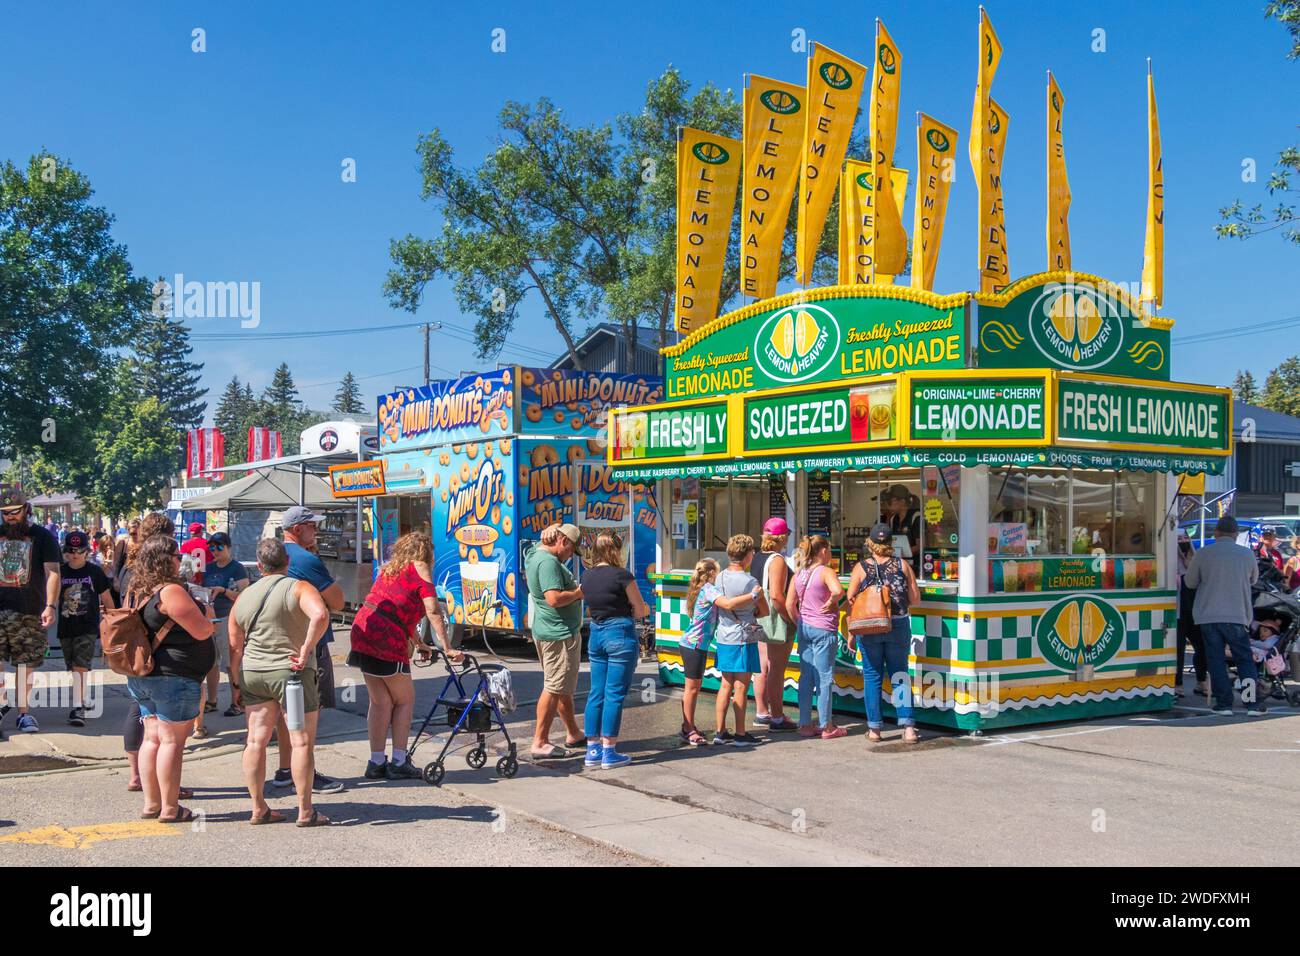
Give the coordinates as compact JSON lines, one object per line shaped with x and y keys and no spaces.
{"x":595,"y":755}
{"x":27,"y":724}
{"x":1221,"y":711}
{"x":782,"y":725}
{"x":323,"y":784}
{"x":377,"y":771}
{"x":1256,"y":710}
{"x":404,"y":771}
{"x":745,"y":740}
{"x":77,"y":717}
{"x":611,"y":758}
{"x":722,"y":738}
{"x":282,"y":779}
{"x":764,"y":719}
{"x":4,"y":712}
{"x":833,"y":732}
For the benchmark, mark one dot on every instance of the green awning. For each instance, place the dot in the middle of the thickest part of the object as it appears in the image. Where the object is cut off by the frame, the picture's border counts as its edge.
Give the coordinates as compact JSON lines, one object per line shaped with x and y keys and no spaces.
{"x":905,"y":458}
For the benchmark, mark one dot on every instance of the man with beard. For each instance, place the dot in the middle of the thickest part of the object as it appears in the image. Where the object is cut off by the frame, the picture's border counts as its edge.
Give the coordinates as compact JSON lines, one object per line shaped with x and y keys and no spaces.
{"x":29,"y":597}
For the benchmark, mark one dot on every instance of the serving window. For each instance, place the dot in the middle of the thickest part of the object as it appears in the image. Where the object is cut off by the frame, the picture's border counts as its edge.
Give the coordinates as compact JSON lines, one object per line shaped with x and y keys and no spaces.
{"x":706,"y":512}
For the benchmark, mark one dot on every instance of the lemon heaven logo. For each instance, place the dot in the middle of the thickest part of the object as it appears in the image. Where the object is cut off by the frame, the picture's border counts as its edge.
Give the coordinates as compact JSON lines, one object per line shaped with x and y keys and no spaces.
{"x":1076,"y":327}
{"x":779,"y":101}
{"x":937,"y":139}
{"x":864,"y":180}
{"x":796,"y":343}
{"x":886,"y":57}
{"x":1079,"y":631}
{"x":836,"y":76}
{"x":710,"y":153}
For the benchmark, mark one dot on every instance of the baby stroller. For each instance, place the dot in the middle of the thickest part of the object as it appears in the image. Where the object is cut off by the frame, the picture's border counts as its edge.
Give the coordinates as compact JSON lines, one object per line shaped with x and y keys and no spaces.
{"x":1273,"y":637}
{"x":479,"y":712}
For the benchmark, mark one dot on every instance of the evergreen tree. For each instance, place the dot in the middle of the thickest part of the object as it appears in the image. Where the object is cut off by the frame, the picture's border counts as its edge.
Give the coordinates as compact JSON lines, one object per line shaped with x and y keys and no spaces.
{"x":348,"y":398}
{"x":166,"y":373}
{"x":229,"y":414}
{"x":1244,"y":388}
{"x":1282,"y":388}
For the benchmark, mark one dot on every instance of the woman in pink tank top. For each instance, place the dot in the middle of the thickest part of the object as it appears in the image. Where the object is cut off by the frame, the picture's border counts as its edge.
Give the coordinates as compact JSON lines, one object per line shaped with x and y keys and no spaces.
{"x":813,"y":599}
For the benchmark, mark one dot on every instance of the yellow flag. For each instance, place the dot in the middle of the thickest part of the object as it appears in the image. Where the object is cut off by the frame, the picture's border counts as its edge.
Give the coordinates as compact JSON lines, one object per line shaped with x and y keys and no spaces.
{"x":995,"y":265}
{"x":891,"y":238}
{"x":859,"y":218}
{"x":708,"y":171}
{"x":936,"y":165}
{"x":1153,"y":262}
{"x":1058,"y":183}
{"x":773,"y":138}
{"x":834,"y":90}
{"x":990,"y":55}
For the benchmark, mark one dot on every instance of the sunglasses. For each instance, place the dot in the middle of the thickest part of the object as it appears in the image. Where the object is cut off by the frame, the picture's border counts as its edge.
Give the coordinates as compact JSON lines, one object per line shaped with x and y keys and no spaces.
{"x":14,"y":511}
{"x":77,"y":551}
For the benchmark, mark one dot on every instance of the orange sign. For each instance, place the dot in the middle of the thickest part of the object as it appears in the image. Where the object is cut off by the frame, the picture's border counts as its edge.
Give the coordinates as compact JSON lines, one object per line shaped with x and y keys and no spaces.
{"x":357,"y":479}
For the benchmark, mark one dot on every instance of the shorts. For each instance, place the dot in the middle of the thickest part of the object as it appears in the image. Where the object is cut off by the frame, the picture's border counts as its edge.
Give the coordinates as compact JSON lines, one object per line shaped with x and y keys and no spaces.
{"x":738,"y":659}
{"x":221,"y":643}
{"x":560,"y":664}
{"x":264,"y":687}
{"x":376,"y":667}
{"x":694,"y":661}
{"x":22,"y":638}
{"x":78,"y":650}
{"x":173,"y":699}
{"x":324,"y":675}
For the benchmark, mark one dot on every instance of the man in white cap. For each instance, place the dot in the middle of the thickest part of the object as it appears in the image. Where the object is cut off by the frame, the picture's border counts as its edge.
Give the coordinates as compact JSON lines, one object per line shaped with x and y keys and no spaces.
{"x":556,"y":601}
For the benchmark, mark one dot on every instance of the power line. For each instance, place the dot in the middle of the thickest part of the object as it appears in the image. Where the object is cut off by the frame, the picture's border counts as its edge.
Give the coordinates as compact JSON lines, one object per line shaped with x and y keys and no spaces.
{"x":1270,"y":326}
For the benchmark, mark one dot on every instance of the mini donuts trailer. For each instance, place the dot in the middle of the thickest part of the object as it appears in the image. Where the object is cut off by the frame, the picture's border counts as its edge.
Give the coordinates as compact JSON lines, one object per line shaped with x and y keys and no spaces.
{"x":484,"y":462}
{"x":1040,"y":443}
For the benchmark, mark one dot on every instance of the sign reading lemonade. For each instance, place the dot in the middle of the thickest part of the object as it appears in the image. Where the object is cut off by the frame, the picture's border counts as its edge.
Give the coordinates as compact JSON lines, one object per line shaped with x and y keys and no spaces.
{"x":823,"y":339}
{"x":1079,"y":631}
{"x":990,"y":410}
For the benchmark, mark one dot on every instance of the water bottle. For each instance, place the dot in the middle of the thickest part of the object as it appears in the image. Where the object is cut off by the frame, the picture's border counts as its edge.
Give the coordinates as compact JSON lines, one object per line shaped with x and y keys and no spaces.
{"x":293,"y":702}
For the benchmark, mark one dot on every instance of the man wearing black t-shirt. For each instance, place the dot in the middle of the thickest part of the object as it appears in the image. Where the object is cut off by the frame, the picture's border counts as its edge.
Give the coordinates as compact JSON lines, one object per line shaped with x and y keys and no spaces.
{"x":84,"y":590}
{"x":29,"y":596}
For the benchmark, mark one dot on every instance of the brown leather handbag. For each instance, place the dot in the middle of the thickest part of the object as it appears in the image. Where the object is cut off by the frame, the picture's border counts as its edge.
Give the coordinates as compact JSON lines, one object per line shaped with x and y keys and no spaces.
{"x":871,"y":610}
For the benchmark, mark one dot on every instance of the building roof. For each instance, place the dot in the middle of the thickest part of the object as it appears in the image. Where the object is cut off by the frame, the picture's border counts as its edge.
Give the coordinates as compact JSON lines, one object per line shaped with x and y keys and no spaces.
{"x":1268,"y":425}
{"x":646,"y":338}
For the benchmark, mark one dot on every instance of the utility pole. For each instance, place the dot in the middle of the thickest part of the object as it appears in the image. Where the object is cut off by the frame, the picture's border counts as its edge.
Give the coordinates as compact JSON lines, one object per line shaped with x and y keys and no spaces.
{"x":428,"y":328}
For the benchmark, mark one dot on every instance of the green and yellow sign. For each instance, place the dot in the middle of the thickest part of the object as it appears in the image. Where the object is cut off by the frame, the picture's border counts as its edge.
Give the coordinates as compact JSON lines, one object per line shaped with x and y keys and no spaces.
{"x":840,"y":417}
{"x":992,"y":410}
{"x":1079,"y":631}
{"x":821,"y":340}
{"x":1091,"y":411}
{"x":683,"y":431}
{"x":1074,"y":322}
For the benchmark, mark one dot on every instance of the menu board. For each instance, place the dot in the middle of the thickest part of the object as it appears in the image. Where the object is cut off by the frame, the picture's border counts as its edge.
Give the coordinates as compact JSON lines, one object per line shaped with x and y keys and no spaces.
{"x":819,"y":503}
{"x":776,"y":495}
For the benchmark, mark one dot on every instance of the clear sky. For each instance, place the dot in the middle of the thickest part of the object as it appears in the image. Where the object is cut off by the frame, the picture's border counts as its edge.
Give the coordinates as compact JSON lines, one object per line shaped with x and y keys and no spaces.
{"x":225,"y":165}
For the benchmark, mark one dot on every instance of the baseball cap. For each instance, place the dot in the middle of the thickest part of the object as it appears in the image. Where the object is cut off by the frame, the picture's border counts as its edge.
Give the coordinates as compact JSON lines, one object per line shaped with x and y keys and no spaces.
{"x":220,"y":539}
{"x":1226,"y":525}
{"x":11,"y":496}
{"x":882,"y":533}
{"x":196,"y":527}
{"x":76,"y":541}
{"x":1268,"y":532}
{"x":299,"y":515}
{"x":571,"y":532}
{"x":775,"y":526}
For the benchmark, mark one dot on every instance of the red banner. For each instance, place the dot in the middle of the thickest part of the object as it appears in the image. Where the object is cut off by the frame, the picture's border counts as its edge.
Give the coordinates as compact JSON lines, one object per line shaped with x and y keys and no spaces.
{"x":205,"y":453}
{"x":263,"y":443}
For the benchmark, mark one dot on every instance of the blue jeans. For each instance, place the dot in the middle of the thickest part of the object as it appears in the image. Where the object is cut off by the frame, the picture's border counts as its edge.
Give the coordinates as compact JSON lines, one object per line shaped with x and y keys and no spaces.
{"x":613,"y":651}
{"x":881,"y":651}
{"x":816,"y":672}
{"x":1235,"y":637}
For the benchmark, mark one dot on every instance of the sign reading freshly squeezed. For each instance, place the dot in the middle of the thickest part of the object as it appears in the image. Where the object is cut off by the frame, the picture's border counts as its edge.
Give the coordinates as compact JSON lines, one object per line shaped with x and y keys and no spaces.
{"x":1098,"y":411}
{"x":993,"y":410}
{"x":670,"y":432}
{"x":820,"y":418}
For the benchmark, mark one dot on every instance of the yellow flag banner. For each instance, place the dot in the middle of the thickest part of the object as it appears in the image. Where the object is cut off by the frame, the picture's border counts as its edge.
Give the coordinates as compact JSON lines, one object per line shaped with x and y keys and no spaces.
{"x":834,"y":91}
{"x":990,"y":55}
{"x":708,"y":171}
{"x":898,"y":182}
{"x":995,"y":264}
{"x":859,"y":219}
{"x":1153,"y":262}
{"x":1058,"y":183}
{"x":936,"y":164}
{"x":773,"y":137}
{"x":891,"y":238}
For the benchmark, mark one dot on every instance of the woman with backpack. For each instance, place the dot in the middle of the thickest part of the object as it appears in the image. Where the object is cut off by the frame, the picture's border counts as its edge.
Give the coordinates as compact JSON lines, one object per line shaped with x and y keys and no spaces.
{"x":813,"y":599}
{"x":888,"y":649}
{"x":168,"y":697}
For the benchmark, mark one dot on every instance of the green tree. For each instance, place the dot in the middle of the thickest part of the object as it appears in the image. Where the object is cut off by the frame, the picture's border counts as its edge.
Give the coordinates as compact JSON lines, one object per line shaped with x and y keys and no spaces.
{"x":236,"y":412}
{"x":68,"y":298}
{"x":348,"y":398}
{"x":1244,"y":388}
{"x":1281,"y":391}
{"x":165,"y":371}
{"x":1240,"y":222}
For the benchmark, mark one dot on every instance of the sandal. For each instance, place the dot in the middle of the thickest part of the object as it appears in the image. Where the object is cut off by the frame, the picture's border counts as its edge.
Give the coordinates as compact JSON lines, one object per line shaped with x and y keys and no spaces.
{"x":134,"y":789}
{"x":210,"y":707}
{"x":317,"y":819}
{"x":183,"y":815}
{"x":199,"y":733}
{"x":185,"y":794}
{"x":692,"y":736}
{"x":271,"y":816}
{"x":150,"y":814}
{"x":233,"y":711}
{"x":580,"y":745}
{"x":555,"y":753}
{"x":873,"y":736}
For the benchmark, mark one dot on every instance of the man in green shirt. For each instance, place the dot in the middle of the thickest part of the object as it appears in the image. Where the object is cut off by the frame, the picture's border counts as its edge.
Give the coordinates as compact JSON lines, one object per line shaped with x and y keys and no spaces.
{"x":556,"y":601}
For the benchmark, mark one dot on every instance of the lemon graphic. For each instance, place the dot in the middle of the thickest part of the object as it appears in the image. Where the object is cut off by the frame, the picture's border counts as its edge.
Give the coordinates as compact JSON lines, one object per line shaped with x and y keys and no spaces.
{"x":1094,"y":624}
{"x":1067,"y":626}
{"x":783,"y":336}
{"x":1076,"y":321}
{"x":805,"y":333}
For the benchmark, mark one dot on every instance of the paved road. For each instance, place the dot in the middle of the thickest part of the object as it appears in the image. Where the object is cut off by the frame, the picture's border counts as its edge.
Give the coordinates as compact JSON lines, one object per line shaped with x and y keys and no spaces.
{"x":1184,"y":788}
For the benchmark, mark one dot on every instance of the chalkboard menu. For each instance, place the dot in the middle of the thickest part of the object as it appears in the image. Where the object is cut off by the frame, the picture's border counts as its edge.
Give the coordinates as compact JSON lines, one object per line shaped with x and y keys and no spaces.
{"x":819,"y":503}
{"x":776,"y":495}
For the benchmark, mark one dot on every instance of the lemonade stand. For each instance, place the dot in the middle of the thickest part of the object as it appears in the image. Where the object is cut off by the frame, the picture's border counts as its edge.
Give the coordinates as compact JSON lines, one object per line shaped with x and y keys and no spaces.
{"x":1026,"y":444}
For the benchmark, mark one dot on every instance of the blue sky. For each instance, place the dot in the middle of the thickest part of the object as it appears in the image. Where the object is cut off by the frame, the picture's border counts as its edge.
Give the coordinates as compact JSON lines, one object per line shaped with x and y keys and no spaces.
{"x":225,"y":165}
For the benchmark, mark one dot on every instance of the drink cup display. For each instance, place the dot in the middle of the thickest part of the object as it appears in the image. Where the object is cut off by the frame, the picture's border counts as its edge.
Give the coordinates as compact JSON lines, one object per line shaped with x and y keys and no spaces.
{"x":882,"y":418}
{"x":478,"y":588}
{"x":859,"y":420}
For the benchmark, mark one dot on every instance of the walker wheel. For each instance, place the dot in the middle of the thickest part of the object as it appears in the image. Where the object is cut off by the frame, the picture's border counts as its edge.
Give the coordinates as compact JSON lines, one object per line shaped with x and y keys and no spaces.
{"x":507,"y":767}
{"x":476,"y":758}
{"x":1293,"y":698}
{"x":434,"y":772}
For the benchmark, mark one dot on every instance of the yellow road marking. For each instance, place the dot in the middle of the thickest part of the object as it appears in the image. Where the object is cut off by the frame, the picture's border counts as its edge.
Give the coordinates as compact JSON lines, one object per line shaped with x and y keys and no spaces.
{"x":78,"y":838}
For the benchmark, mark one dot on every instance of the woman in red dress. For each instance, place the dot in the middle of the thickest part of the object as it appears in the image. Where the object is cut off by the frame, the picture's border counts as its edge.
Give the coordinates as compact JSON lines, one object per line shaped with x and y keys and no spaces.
{"x":383,"y":635}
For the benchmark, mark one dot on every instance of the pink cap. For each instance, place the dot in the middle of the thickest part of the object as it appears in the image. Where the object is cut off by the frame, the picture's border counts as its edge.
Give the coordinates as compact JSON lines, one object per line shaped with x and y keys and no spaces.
{"x":775,"y":526}
{"x":196,"y":527}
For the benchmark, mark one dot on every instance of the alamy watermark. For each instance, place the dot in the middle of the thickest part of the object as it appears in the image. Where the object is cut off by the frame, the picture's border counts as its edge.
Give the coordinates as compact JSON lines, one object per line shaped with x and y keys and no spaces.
{"x":191,"y":299}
